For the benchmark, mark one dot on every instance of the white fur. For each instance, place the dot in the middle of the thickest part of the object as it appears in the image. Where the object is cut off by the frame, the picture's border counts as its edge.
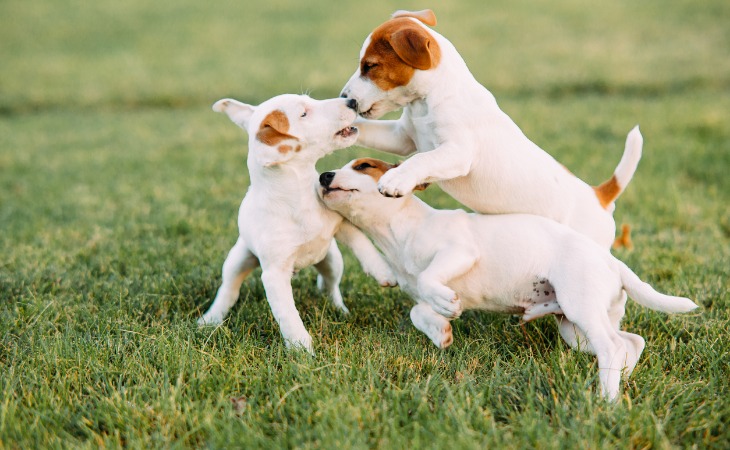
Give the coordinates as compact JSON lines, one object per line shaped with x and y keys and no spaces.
{"x":510,"y":263}
{"x":283,"y":225}
{"x":463,"y":141}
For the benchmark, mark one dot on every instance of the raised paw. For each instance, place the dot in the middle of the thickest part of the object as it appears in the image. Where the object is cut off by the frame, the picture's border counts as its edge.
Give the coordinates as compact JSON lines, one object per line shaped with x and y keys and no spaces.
{"x":386,"y":278}
{"x":443,"y":301}
{"x":396,"y":183}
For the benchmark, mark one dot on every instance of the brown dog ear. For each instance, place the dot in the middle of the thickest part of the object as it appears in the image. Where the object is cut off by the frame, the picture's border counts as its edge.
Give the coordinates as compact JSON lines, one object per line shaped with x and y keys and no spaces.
{"x":422,"y":187}
{"x":425,"y":15}
{"x":416,"y":47}
{"x":274,"y":128}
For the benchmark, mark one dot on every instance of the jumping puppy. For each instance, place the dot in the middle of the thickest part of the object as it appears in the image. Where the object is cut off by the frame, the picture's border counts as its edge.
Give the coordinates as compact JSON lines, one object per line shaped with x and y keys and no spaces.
{"x":283,"y":225}
{"x":462,"y":139}
{"x":510,"y":263}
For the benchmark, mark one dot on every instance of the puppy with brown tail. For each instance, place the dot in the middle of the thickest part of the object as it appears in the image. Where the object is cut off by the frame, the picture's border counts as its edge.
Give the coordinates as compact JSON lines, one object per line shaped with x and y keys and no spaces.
{"x":449,"y":260}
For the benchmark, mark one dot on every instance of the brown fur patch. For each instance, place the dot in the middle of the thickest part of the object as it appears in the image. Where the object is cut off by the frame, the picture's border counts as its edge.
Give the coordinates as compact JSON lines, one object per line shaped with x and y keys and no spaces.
{"x":425,"y":15}
{"x":274,"y":129}
{"x":284,"y":149}
{"x":608,"y":191}
{"x":397,"y":48}
{"x":374,"y":168}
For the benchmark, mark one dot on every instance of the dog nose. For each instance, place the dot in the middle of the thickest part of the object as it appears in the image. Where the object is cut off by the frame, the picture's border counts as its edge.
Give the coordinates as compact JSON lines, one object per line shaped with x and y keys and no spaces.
{"x":326,"y":178}
{"x":352,"y":104}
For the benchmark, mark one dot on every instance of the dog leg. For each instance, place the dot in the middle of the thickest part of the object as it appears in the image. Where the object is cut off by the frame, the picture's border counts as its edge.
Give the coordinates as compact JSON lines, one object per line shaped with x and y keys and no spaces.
{"x":609,"y":347}
{"x":445,"y":162}
{"x":330,"y":273}
{"x":371,"y":260}
{"x":277,"y":283}
{"x":573,"y":336}
{"x":384,"y":135}
{"x":238,"y":264}
{"x":446,"y":265}
{"x":432,"y":324}
{"x":635,"y":346}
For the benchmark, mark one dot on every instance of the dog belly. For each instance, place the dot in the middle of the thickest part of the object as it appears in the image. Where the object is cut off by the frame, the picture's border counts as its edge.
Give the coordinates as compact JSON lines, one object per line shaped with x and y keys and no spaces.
{"x":531,"y":300}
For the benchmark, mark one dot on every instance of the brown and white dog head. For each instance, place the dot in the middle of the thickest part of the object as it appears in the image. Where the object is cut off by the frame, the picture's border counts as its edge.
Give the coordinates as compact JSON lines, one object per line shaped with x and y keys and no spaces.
{"x":353,"y":192}
{"x":289,"y":126}
{"x":392,"y":57}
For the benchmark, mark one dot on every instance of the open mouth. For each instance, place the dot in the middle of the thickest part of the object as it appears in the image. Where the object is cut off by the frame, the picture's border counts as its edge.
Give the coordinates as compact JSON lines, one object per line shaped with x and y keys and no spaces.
{"x":347,"y":132}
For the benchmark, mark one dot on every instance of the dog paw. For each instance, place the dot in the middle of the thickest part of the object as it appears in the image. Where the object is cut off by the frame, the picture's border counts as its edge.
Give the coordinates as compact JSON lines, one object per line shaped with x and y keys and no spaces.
{"x":395,"y":183}
{"x":302,"y":342}
{"x":386,"y":278}
{"x":444,"y":301}
{"x":209,"y":320}
{"x":446,"y":337}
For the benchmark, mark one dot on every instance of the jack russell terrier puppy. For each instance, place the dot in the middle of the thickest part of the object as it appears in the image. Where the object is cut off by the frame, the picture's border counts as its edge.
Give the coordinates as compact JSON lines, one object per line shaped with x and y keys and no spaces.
{"x":462,"y":139}
{"x":283,"y":225}
{"x":509,"y":263}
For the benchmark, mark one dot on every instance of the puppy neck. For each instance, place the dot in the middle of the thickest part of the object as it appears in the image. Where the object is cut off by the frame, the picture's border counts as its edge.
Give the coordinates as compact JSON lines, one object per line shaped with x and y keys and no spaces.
{"x":391,"y":222}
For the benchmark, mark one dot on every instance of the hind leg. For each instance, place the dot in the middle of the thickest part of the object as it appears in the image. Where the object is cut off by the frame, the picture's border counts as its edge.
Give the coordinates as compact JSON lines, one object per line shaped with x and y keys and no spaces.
{"x":432,"y":324}
{"x":238,"y":264}
{"x":635,"y":346}
{"x":634,"y":343}
{"x":614,"y":353}
{"x":330,"y":273}
{"x":573,"y":336}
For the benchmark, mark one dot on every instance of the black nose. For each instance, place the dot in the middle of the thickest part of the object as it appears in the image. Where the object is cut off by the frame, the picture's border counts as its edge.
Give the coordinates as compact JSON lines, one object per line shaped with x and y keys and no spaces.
{"x":326,"y":178}
{"x":352,"y":104}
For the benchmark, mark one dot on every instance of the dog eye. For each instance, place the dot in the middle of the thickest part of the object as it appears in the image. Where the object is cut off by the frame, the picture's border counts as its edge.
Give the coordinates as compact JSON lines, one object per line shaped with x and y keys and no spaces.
{"x":367,"y":66}
{"x":363,"y":166}
{"x":304,"y":114}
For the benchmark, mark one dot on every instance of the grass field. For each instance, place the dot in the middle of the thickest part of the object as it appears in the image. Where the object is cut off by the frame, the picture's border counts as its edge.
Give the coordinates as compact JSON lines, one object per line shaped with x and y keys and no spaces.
{"x":119,"y":190}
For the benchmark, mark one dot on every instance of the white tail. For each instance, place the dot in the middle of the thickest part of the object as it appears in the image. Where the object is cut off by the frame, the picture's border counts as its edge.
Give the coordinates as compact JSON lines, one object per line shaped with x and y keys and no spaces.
{"x":643,"y":294}
{"x":630,"y":159}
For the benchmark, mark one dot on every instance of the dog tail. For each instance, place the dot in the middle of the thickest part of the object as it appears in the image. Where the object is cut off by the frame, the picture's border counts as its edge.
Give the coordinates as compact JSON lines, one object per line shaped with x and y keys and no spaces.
{"x":645,"y":295}
{"x":609,"y":191}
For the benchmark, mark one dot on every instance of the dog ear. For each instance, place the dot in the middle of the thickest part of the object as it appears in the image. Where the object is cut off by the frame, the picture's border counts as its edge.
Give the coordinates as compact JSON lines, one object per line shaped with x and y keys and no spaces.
{"x":273,"y":131}
{"x":415,"y":47}
{"x":239,"y":113}
{"x":425,"y":15}
{"x":422,"y":187}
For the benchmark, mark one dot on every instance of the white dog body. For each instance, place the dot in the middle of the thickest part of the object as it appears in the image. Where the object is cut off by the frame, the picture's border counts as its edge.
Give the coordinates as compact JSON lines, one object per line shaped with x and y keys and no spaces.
{"x":461,"y":137}
{"x":511,"y":263}
{"x":283,"y":226}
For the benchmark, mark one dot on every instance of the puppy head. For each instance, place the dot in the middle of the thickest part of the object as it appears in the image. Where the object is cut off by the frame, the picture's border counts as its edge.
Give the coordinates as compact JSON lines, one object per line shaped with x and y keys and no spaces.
{"x":353,"y":190}
{"x":393,"y":54}
{"x":289,"y":127}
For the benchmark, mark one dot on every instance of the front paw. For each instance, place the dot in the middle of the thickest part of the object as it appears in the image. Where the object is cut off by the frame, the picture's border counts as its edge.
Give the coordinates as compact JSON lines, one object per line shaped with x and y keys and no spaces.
{"x":302,"y":341}
{"x":210,"y":320}
{"x":396,"y":183}
{"x":443,"y":301}
{"x":385,"y":278}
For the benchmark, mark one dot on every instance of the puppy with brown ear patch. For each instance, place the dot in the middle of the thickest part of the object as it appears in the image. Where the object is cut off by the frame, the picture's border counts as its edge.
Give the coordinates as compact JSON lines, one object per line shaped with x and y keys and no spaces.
{"x":510,"y":263}
{"x":283,"y":226}
{"x":462,"y":139}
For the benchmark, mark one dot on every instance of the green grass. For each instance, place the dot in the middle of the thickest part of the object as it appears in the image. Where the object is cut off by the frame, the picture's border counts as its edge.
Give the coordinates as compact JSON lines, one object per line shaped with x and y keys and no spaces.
{"x":119,"y":191}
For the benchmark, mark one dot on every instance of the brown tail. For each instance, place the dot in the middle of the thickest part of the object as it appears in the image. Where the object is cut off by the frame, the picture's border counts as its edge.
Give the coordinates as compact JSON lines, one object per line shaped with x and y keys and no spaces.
{"x":624,"y":239}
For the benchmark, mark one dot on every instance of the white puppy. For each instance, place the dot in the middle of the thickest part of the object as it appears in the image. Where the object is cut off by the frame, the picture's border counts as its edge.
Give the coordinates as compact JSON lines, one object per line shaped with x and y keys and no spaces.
{"x":283,"y":225}
{"x":509,"y":263}
{"x":461,"y":137}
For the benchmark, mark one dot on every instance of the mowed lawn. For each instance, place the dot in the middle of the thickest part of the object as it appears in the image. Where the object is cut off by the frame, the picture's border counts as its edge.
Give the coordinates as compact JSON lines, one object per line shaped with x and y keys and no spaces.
{"x":119,"y":191}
